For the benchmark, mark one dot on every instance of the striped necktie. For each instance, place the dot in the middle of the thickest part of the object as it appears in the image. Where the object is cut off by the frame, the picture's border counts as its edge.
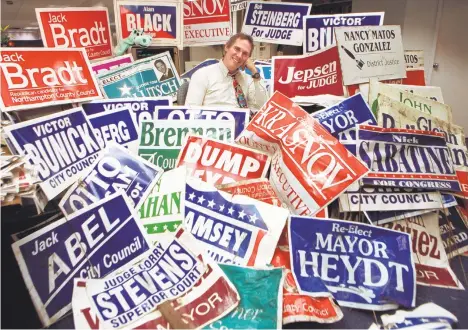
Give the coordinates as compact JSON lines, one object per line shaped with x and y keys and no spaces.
{"x":241,"y":101}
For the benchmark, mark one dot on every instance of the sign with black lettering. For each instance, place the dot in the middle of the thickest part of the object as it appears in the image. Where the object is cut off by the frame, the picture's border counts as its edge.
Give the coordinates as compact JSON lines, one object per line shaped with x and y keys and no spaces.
{"x":453,"y":225}
{"x":433,"y":93}
{"x":414,"y":59}
{"x":370,"y":51}
{"x":361,"y":266}
{"x":276,"y":22}
{"x":92,"y":243}
{"x":60,"y":146}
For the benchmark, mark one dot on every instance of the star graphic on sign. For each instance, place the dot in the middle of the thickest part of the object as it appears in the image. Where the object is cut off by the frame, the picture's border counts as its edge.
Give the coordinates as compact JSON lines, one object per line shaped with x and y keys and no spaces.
{"x":176,"y":225}
{"x":241,"y":214}
{"x":211,"y":203}
{"x":253,"y":218}
{"x":230,"y":211}
{"x":192,"y":196}
{"x":201,"y":199}
{"x":221,"y":208}
{"x":424,"y":320}
{"x":165,"y":227}
{"x":155,"y":227}
{"x":124,"y":90}
{"x":407,"y":322}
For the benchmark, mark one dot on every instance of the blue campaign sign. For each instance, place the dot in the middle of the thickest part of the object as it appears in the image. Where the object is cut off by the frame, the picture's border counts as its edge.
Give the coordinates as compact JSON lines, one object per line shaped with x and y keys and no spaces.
{"x":118,"y":126}
{"x":116,"y":169}
{"x":60,"y":146}
{"x":92,"y":243}
{"x":143,"y":108}
{"x":188,"y":74}
{"x":239,"y":116}
{"x":319,"y":29}
{"x":361,"y":265}
{"x":454,"y":230}
{"x":278,"y":23}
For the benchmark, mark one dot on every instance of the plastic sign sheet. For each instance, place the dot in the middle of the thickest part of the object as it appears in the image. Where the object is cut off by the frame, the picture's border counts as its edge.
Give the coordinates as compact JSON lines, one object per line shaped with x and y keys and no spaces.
{"x":116,"y":169}
{"x":308,"y":75}
{"x":319,"y":29}
{"x":167,"y":271}
{"x":207,"y":22}
{"x":162,"y":210}
{"x":260,"y":298}
{"x":111,"y":64}
{"x":40,"y":77}
{"x":161,"y":141}
{"x":217,"y":163}
{"x":186,"y":76}
{"x":60,"y":146}
{"x":363,"y":266}
{"x":414,"y":59}
{"x":92,"y":243}
{"x":389,"y":199}
{"x":277,"y":23}
{"x":370,"y":51}
{"x":453,"y":226}
{"x":84,"y":27}
{"x":310,"y":168}
{"x":432,"y":265}
{"x":406,"y":158}
{"x":163,"y":21}
{"x":142,"y":108}
{"x":118,"y":126}
{"x":259,"y":189}
{"x":142,"y":78}
{"x":232,"y":229}
{"x":433,"y":93}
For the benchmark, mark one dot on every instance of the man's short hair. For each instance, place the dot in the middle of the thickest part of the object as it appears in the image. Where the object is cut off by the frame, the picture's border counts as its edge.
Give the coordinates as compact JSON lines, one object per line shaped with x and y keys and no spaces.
{"x":241,"y":36}
{"x":160,"y":61}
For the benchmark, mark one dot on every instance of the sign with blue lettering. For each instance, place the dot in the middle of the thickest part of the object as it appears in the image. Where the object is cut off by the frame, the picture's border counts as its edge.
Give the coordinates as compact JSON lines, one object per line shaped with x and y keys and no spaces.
{"x":265,"y":73}
{"x":60,"y":146}
{"x":152,"y":76}
{"x":92,"y":243}
{"x":406,"y":158}
{"x":142,"y":108}
{"x":232,"y":229}
{"x":275,"y":22}
{"x":167,"y":271}
{"x":319,"y":29}
{"x":453,"y":226}
{"x":361,"y":265}
{"x":116,"y":169}
{"x":118,"y":126}
{"x":186,"y":76}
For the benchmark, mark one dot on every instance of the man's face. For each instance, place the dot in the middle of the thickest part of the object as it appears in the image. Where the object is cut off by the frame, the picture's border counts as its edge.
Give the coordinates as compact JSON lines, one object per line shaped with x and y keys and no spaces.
{"x":161,"y":67}
{"x":237,"y":54}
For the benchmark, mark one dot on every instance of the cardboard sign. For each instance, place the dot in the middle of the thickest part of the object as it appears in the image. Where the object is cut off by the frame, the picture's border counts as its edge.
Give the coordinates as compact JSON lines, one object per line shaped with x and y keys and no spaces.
{"x":276,"y":23}
{"x":84,"y":27}
{"x":406,"y":158}
{"x":186,"y":76}
{"x":259,"y":189}
{"x":432,"y":264}
{"x":237,"y":5}
{"x":161,"y":141}
{"x":310,"y":168}
{"x":116,"y":169}
{"x":142,"y":78}
{"x":232,"y":229}
{"x":167,"y":271}
{"x":370,"y":51}
{"x":61,"y":76}
{"x":319,"y":29}
{"x":118,"y":126}
{"x":308,"y":75}
{"x":363,"y":266}
{"x":60,"y":146}
{"x":111,"y":64}
{"x":433,"y":93}
{"x":453,"y":225}
{"x":93,"y":242}
{"x":414,"y":58}
{"x":216,"y":162}
{"x":207,"y":22}
{"x":163,"y":21}
{"x":142,"y":108}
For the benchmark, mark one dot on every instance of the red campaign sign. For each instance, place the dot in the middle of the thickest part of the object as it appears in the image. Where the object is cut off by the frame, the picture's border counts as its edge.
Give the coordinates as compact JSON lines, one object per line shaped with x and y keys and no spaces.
{"x":87,"y":28}
{"x":207,"y":11}
{"x":38,"y":77}
{"x":308,"y":75}
{"x":217,"y":162}
{"x":259,"y":189}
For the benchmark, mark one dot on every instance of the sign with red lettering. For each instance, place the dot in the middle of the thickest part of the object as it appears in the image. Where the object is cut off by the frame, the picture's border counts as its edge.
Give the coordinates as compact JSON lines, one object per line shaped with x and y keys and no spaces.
{"x":259,"y":189}
{"x":216,"y":162}
{"x":207,"y":22}
{"x":39,"y":77}
{"x":77,"y":28}
{"x":310,"y":167}
{"x":308,"y":75}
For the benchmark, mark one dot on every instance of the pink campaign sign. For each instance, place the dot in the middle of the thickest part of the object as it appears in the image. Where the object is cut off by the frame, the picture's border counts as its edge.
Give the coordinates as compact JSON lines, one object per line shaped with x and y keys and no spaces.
{"x":111,"y":64}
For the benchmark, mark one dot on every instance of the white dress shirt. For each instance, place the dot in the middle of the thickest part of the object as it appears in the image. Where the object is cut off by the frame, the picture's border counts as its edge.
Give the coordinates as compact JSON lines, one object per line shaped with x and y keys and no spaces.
{"x":212,"y":86}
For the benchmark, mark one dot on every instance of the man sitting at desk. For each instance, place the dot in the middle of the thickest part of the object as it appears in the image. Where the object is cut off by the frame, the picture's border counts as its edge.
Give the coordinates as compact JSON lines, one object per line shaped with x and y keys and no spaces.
{"x":223,"y":84}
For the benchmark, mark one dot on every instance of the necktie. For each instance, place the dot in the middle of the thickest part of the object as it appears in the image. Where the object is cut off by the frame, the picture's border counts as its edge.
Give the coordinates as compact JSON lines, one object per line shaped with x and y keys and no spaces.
{"x":241,"y":101}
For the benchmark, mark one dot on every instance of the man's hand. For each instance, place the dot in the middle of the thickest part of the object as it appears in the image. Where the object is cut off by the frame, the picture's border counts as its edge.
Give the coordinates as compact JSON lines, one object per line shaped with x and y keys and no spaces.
{"x":251,"y":66}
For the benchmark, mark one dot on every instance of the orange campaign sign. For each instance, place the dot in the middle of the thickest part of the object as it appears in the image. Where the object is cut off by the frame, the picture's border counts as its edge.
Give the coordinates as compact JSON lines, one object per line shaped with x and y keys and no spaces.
{"x":77,"y":28}
{"x":39,"y":77}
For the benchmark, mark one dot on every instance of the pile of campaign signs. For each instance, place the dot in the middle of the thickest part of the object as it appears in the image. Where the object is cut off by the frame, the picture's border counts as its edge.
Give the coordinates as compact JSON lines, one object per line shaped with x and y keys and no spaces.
{"x":172,"y":216}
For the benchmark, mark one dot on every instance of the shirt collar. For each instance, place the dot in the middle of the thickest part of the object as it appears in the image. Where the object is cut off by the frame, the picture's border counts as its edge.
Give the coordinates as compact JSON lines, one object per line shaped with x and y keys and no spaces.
{"x":225,"y":71}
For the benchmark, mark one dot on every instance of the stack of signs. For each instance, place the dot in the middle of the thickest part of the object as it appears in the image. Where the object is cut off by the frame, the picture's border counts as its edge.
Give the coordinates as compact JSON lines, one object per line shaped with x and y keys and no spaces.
{"x":82,"y":27}
{"x":278,"y":23}
{"x":149,"y":77}
{"x":92,"y":243}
